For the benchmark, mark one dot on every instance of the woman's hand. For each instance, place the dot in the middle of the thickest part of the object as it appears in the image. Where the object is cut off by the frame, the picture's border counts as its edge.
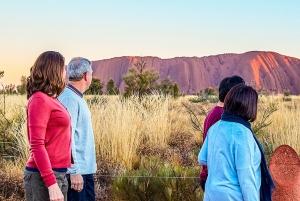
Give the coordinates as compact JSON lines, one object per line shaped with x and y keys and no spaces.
{"x":55,"y":193}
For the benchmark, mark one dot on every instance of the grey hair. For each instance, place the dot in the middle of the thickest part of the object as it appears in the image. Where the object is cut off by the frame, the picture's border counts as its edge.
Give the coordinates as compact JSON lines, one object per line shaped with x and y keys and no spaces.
{"x":77,"y":67}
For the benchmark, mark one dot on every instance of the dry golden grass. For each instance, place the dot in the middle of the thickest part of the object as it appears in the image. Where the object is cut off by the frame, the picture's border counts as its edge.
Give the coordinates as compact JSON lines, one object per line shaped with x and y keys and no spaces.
{"x":122,"y":126}
{"x":285,"y":127}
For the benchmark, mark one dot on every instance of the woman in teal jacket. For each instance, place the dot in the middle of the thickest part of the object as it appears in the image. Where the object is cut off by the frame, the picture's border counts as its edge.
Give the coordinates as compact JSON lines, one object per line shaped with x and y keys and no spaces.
{"x":232,"y":153}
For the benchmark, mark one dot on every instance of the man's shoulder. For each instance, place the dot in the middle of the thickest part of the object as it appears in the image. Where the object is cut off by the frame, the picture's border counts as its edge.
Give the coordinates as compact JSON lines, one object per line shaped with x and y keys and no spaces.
{"x":69,"y":98}
{"x":67,"y":93}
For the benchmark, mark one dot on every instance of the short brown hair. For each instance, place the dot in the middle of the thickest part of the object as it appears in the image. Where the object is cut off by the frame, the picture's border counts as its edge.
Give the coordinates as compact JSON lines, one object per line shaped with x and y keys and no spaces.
{"x":46,"y":75}
{"x":241,"y":101}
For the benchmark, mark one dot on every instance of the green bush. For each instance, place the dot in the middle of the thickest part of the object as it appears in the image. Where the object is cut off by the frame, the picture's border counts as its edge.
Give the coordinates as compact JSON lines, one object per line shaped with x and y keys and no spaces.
{"x":286,"y":92}
{"x":156,"y":181}
{"x":287,"y":98}
{"x":205,"y":98}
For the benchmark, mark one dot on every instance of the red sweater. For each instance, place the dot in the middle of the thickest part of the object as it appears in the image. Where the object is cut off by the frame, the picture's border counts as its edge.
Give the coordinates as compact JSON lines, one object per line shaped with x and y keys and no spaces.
{"x":212,"y":118}
{"x":49,"y":135}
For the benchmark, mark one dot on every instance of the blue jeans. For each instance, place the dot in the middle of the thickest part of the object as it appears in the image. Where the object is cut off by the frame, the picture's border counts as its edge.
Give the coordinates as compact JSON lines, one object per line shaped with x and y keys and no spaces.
{"x":88,"y":191}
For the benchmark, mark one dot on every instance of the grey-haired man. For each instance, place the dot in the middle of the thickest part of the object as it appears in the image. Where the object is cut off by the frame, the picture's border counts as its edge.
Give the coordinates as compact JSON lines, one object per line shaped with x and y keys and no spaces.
{"x":80,"y":175}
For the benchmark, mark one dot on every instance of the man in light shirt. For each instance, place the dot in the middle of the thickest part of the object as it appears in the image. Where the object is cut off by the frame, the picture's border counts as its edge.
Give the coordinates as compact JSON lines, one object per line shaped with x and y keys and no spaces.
{"x":80,"y":175}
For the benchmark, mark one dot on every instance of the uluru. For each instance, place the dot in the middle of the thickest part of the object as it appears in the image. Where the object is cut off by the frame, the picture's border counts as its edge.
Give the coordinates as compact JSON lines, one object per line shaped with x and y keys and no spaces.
{"x":269,"y":71}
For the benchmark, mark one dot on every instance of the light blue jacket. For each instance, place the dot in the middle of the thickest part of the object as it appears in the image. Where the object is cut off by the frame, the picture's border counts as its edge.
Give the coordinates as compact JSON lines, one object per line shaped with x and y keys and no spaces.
{"x":83,"y":144}
{"x":233,"y":160}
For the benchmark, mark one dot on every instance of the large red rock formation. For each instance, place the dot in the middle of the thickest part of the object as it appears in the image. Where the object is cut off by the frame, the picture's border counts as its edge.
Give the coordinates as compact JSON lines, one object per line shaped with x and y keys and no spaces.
{"x":264,"y":70}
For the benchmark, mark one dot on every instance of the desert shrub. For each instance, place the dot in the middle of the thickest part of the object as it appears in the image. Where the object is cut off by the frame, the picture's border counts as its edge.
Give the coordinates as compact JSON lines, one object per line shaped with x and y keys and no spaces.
{"x":287,"y":98}
{"x":262,"y":92}
{"x":197,"y":113}
{"x":205,"y":98}
{"x":104,"y":179}
{"x":264,"y":120}
{"x":11,"y":187}
{"x":181,"y":183}
{"x":286,"y":92}
{"x":210,"y":91}
{"x":286,"y":95}
{"x":147,"y":148}
{"x":183,"y":145}
{"x":157,"y":181}
{"x":96,"y":99}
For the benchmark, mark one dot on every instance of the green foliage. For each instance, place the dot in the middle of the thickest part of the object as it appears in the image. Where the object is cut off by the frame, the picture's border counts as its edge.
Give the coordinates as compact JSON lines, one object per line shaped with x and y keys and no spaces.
{"x":264,"y":120}
{"x":287,"y":98}
{"x":210,"y":91}
{"x":200,"y":99}
{"x":140,"y":81}
{"x":156,"y":181}
{"x":286,"y":95}
{"x":22,"y":87}
{"x":286,"y":92}
{"x":96,"y":100}
{"x":175,"y":90}
{"x":165,"y":86}
{"x":209,"y":95}
{"x":111,"y":89}
{"x":95,"y":87}
{"x":182,"y":184}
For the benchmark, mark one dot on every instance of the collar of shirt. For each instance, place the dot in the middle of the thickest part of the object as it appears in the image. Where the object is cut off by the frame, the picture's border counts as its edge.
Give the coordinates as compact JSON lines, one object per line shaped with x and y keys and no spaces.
{"x":71,"y":87}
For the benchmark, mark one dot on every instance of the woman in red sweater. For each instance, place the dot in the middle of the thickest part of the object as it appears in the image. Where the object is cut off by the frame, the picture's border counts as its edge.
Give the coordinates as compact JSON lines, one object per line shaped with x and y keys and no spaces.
{"x":49,"y":131}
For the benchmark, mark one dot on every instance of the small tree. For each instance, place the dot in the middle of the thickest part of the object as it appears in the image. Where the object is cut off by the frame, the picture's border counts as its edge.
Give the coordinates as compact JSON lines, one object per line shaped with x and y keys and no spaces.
{"x":140,"y":81}
{"x":286,"y":95}
{"x":210,"y":91}
{"x":111,"y":89}
{"x":10,"y":89}
{"x":95,"y":87}
{"x":286,"y":92}
{"x":165,"y":86}
{"x":175,"y":90}
{"x":22,"y":87}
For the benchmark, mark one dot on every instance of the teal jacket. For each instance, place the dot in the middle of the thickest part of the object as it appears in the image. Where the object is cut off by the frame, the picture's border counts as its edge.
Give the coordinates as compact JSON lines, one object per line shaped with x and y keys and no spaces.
{"x":233,"y":159}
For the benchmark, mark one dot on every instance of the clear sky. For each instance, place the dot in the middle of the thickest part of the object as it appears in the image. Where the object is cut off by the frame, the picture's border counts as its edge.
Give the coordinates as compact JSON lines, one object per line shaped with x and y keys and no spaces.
{"x":101,"y":29}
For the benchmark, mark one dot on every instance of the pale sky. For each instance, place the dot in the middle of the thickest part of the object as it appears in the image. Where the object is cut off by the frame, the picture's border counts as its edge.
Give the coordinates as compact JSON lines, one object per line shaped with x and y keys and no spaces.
{"x":102,"y":29}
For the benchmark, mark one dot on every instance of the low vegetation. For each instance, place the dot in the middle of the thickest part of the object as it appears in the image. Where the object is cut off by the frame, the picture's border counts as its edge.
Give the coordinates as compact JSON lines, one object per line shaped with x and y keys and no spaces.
{"x":146,"y":148}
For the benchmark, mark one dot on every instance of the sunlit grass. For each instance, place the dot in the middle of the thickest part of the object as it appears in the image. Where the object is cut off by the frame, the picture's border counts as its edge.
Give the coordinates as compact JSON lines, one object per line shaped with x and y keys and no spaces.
{"x":122,"y":126}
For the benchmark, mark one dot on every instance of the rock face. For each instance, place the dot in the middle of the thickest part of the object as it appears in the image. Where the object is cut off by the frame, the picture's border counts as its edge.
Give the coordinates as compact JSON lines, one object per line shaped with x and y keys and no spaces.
{"x":270,"y":71}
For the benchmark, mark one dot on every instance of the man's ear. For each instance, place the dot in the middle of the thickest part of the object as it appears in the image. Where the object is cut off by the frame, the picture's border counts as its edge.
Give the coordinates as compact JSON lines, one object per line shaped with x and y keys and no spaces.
{"x":85,"y":76}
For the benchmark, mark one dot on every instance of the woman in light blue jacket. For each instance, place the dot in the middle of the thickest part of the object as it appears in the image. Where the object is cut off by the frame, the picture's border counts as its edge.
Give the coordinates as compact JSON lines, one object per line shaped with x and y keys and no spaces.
{"x":232,"y":153}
